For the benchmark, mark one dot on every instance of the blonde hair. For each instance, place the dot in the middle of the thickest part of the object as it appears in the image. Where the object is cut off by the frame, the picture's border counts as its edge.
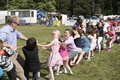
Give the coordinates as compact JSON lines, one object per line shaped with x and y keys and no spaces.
{"x":62,"y":40}
{"x":57,"y":32}
{"x":84,"y":24}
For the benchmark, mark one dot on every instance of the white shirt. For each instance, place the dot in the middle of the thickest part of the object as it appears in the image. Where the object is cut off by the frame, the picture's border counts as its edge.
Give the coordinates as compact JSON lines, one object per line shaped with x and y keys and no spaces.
{"x":105,"y":27}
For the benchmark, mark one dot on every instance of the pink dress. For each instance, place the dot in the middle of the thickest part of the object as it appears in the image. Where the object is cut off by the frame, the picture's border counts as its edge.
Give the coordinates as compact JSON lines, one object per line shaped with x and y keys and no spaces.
{"x":92,"y":42}
{"x":54,"y":56}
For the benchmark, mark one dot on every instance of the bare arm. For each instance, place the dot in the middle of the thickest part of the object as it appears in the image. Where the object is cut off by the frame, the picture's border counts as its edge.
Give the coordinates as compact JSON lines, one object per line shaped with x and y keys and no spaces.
{"x":48,"y":45}
{"x":23,"y":38}
{"x":8,"y":45}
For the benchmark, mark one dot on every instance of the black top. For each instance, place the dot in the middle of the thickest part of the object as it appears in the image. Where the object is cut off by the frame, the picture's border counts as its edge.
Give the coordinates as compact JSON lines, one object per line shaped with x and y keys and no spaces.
{"x":32,"y":63}
{"x":100,"y":29}
{"x":78,"y":42}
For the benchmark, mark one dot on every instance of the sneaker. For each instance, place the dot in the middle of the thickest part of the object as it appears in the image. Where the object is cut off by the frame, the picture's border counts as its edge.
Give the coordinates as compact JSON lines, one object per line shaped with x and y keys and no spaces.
{"x":63,"y":71}
{"x":48,"y":75}
{"x":71,"y":72}
{"x":54,"y":68}
{"x":109,"y":50}
{"x":57,"y":73}
{"x":88,"y":59}
{"x":92,"y":56}
{"x":85,"y":57}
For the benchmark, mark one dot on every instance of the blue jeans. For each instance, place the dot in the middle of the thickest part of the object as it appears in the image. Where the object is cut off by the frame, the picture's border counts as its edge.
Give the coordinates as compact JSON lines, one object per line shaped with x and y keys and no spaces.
{"x":35,"y":75}
{"x":2,"y":77}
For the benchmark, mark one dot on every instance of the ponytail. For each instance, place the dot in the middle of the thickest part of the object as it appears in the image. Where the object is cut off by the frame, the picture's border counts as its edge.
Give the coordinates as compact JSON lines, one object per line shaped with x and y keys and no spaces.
{"x":62,"y":40}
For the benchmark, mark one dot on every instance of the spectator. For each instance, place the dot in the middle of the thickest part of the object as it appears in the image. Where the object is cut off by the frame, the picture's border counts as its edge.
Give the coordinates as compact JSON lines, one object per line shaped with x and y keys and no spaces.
{"x":78,"y":23}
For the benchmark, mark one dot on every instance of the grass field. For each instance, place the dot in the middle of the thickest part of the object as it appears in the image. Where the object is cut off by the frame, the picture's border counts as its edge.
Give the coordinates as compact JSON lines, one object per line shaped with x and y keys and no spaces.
{"x":105,"y":66}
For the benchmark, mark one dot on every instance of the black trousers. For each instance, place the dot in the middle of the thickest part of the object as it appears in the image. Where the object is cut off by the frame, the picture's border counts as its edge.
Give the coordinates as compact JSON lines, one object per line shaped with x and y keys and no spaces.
{"x":11,"y":74}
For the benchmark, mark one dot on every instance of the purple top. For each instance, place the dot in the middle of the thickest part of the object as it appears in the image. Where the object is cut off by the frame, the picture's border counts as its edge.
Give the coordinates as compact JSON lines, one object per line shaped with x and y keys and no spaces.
{"x":9,"y":36}
{"x":75,"y":25}
{"x":63,"y":52}
{"x":70,"y":44}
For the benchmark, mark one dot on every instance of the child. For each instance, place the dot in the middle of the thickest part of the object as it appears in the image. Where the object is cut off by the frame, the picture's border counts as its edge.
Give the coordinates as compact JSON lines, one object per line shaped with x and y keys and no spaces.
{"x":92,"y":42}
{"x":84,"y":27}
{"x":54,"y":58}
{"x":1,"y":74}
{"x":64,"y":54}
{"x":112,"y":37}
{"x":85,"y":45}
{"x":5,"y":62}
{"x":32,"y":63}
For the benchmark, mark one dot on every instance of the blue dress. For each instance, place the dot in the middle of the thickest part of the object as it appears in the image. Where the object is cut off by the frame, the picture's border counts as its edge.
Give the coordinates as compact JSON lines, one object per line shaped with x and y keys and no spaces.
{"x":85,"y":44}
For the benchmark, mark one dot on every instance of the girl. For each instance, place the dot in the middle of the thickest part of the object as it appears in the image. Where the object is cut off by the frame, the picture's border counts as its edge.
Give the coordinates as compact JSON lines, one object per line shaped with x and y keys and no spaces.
{"x":84,"y":27}
{"x":32,"y":63}
{"x":77,"y":40}
{"x":64,"y":54}
{"x":85,"y":46}
{"x":112,"y":37}
{"x":54,"y":56}
{"x":92,"y":42}
{"x":99,"y":40}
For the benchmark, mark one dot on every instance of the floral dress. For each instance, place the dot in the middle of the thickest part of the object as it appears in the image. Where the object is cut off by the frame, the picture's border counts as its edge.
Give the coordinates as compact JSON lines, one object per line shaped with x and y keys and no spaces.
{"x":54,"y":56}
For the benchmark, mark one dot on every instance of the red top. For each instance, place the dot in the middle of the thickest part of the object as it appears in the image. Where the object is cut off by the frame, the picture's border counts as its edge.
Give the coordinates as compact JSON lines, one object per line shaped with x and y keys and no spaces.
{"x":3,"y":53}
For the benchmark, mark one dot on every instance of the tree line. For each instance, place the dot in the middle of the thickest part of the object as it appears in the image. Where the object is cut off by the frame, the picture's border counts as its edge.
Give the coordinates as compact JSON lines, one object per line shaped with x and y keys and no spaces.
{"x":69,"y":7}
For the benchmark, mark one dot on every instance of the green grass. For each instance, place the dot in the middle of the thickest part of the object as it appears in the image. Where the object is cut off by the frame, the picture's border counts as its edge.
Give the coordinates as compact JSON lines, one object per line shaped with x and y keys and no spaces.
{"x":105,"y":66}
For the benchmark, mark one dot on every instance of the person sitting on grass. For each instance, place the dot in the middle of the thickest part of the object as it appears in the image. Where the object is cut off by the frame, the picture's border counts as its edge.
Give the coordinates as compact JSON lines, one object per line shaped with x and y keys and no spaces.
{"x":32,"y":63}
{"x":112,"y":37}
{"x":54,"y":58}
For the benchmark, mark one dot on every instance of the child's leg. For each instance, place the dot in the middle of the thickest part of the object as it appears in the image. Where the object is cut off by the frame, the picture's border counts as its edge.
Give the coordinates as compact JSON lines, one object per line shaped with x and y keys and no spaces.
{"x":51,"y":72}
{"x":74,"y":59}
{"x":110,"y":44}
{"x":89,"y":54}
{"x":2,"y":77}
{"x":35,"y":76}
{"x":58,"y":68}
{"x":11,"y":74}
{"x":80,"y":57}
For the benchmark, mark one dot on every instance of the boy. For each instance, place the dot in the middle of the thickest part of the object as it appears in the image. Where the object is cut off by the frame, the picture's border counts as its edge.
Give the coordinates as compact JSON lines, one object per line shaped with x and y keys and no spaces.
{"x":5,"y":62}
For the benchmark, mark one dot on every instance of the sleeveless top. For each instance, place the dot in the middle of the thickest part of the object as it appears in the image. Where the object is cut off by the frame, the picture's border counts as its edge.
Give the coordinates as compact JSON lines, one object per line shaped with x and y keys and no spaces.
{"x":78,"y":42}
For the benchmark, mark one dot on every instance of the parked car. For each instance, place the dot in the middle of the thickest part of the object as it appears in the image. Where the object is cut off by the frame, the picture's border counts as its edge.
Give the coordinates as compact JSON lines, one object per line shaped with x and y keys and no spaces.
{"x":112,"y":20}
{"x":118,"y":19}
{"x":74,"y":17}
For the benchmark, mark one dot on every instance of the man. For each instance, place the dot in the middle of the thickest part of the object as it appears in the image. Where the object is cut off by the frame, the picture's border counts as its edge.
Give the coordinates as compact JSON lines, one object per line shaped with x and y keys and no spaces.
{"x":9,"y":35}
{"x":105,"y":36}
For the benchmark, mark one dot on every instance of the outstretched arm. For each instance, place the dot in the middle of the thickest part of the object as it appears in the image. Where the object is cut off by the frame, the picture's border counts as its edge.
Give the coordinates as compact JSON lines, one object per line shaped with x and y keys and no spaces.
{"x":23,"y":38}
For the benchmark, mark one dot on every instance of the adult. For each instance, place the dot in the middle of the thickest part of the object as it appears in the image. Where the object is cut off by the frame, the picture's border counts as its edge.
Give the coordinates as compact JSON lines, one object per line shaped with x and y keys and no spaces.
{"x":105,"y":36}
{"x":99,"y":40}
{"x":9,"y":35}
{"x":78,"y":23}
{"x":71,"y":47}
{"x":89,"y":25}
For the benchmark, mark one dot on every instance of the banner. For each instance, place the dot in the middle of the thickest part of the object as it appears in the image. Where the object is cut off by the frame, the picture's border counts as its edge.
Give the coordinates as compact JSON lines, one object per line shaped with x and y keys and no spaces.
{"x":56,"y":23}
{"x":70,"y":22}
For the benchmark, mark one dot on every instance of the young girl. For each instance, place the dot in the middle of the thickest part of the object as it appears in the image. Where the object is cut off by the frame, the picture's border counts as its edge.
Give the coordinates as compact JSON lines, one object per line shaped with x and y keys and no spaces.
{"x":32,"y":63}
{"x":54,"y":56}
{"x":77,"y":40}
{"x":99,"y":40}
{"x":85,"y":45}
{"x":92,"y":42}
{"x":112,"y":37}
{"x":84,"y":27}
{"x":64,"y":54}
